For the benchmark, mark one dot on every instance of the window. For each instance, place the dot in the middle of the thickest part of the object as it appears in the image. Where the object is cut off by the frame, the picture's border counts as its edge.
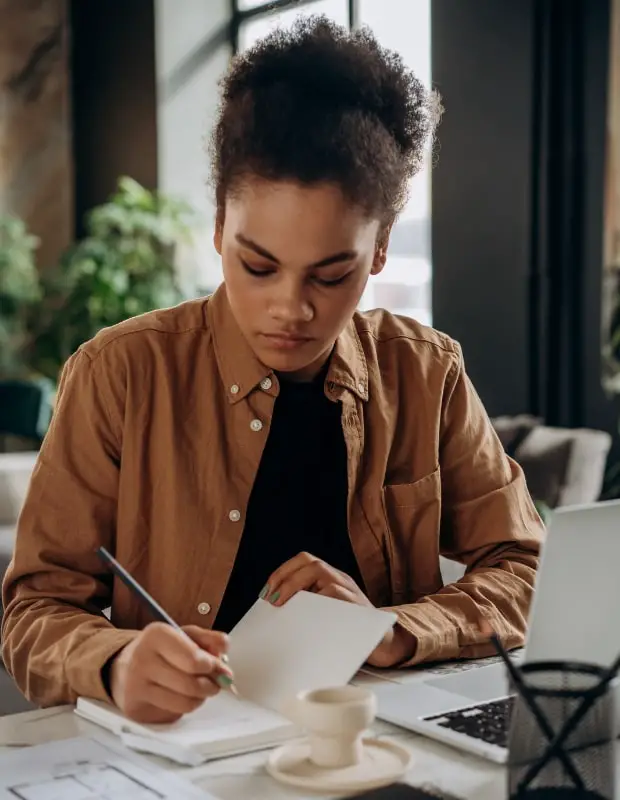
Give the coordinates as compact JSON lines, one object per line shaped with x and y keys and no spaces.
{"x":404,"y":286}
{"x":257,"y":27}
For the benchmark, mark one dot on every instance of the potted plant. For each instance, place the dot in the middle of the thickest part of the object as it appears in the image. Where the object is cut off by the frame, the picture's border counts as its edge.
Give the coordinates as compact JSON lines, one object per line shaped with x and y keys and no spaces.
{"x":123,"y":267}
{"x":25,"y":397}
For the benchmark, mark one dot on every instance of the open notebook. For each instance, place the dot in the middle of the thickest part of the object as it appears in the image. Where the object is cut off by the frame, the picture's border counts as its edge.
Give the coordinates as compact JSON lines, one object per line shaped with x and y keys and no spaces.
{"x":310,"y":643}
{"x":223,"y":726}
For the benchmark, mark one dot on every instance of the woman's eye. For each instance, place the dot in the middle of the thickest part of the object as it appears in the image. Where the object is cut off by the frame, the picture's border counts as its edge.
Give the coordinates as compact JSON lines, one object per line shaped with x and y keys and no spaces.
{"x":257,"y":272}
{"x":332,"y":281}
{"x":264,"y":272}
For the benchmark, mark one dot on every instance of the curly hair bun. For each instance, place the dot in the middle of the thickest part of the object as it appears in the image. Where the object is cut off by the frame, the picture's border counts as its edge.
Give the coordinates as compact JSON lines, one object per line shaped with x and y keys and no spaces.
{"x":317,"y":103}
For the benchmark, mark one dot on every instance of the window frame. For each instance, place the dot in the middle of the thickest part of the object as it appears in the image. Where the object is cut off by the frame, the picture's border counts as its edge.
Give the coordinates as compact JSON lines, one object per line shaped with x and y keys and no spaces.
{"x":239,"y":16}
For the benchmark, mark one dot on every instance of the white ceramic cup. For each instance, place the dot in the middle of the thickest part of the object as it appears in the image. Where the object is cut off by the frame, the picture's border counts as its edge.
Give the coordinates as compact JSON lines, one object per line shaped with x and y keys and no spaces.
{"x":335,"y":719}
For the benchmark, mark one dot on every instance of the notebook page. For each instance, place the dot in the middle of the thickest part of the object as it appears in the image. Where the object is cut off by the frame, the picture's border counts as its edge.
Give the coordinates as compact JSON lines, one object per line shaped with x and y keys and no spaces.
{"x":311,"y":642}
{"x":219,"y":718}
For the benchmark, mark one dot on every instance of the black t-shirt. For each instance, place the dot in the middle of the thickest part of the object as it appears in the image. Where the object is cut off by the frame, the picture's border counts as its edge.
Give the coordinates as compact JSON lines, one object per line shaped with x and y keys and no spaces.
{"x":299,"y":498}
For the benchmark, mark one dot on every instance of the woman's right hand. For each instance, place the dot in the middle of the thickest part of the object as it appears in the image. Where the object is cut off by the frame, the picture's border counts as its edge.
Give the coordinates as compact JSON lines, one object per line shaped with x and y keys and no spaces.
{"x":163,"y":674}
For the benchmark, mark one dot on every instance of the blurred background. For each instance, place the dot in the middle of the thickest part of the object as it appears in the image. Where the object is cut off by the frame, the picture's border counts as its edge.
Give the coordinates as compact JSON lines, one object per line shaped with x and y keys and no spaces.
{"x":510,"y":241}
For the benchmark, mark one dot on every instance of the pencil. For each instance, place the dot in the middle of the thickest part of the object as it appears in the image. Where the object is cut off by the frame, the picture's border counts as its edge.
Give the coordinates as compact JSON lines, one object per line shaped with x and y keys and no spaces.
{"x":152,"y":604}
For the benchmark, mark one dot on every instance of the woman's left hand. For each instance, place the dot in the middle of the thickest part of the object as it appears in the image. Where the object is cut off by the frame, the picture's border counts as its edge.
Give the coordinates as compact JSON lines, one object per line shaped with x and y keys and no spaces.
{"x":305,"y":572}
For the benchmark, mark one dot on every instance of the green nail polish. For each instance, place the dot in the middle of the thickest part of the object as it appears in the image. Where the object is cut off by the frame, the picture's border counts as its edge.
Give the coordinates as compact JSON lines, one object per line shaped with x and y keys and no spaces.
{"x":224,"y":681}
{"x":274,"y":597}
{"x":264,"y":591}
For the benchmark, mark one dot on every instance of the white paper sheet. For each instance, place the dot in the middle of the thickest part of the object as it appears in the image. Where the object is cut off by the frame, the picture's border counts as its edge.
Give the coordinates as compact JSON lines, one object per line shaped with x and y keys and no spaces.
{"x":88,"y":769}
{"x":311,"y":642}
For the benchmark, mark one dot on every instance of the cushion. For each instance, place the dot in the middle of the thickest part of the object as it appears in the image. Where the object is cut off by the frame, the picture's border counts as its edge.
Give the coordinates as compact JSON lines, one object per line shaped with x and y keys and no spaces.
{"x":564,"y":466}
{"x":513,"y":430}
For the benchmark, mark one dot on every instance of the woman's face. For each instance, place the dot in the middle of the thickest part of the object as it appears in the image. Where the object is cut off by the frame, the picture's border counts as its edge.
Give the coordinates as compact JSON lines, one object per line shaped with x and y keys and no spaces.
{"x":296,"y":260}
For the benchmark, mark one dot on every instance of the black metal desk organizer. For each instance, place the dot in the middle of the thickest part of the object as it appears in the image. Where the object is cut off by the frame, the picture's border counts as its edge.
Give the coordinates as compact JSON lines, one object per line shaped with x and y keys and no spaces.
{"x":561,"y":744}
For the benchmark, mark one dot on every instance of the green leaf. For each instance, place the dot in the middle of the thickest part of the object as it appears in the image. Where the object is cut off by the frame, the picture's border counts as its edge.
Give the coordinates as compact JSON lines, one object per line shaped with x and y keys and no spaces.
{"x":123,"y":266}
{"x":20,"y":289}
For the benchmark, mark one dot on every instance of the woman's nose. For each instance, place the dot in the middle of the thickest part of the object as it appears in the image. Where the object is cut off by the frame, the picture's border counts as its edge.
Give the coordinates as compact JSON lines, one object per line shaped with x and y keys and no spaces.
{"x":291,"y":306}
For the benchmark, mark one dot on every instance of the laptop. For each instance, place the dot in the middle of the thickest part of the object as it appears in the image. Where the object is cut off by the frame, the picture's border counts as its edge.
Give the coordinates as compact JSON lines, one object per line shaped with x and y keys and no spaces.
{"x":574,"y":616}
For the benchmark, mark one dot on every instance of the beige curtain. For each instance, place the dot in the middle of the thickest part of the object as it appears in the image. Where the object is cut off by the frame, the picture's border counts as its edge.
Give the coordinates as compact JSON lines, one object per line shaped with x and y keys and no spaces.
{"x":611,"y":234}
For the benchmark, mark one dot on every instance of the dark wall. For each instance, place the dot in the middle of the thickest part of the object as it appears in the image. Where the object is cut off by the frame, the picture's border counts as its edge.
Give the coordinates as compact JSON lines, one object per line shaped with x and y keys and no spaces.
{"x":114,"y":97}
{"x":517,"y":213}
{"x":598,"y":410}
{"x":482,"y":67}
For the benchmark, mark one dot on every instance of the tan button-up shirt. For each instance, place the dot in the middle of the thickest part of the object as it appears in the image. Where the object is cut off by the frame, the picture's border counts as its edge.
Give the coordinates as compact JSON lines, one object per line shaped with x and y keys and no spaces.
{"x":153,"y":450}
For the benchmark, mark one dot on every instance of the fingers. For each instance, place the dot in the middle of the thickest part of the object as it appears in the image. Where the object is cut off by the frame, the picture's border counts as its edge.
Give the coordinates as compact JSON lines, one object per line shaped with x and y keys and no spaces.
{"x":338,"y":592}
{"x":180,"y":651}
{"x":194,"y":687}
{"x":165,"y":673}
{"x":305,"y":577}
{"x":165,"y":699}
{"x":213,"y":642}
{"x":305,"y":572}
{"x":274,"y":583}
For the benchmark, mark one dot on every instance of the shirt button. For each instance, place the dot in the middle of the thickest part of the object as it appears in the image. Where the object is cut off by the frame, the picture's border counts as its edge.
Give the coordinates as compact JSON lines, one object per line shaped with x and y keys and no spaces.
{"x":256,"y":425}
{"x":203,"y":608}
{"x":361,"y":387}
{"x":234,"y":515}
{"x":234,"y":389}
{"x":265,"y":384}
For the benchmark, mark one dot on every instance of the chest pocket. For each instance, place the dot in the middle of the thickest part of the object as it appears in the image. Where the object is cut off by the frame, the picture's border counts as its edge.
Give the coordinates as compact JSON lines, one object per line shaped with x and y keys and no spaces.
{"x":412,"y":515}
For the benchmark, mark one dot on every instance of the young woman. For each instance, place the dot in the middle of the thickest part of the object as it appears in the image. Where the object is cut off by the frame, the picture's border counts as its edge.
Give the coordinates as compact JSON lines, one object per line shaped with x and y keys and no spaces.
{"x":271,"y":439}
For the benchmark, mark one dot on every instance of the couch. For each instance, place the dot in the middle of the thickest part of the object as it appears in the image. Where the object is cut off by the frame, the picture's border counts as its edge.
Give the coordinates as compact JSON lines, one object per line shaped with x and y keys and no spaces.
{"x":562,"y":467}
{"x":15,"y":471}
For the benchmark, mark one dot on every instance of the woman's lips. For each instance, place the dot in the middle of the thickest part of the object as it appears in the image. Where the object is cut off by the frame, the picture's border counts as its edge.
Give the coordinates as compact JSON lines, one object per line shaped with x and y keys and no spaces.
{"x":284,"y":341}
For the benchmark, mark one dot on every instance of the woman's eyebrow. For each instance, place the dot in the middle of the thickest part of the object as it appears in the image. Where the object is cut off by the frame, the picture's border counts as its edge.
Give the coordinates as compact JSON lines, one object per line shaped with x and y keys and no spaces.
{"x":344,"y":255}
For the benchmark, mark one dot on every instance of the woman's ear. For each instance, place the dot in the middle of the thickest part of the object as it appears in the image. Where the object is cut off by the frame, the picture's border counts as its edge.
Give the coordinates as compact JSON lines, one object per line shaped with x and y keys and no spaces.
{"x":218,"y":233}
{"x":378,"y":262}
{"x":217,"y":237}
{"x":381,"y":247}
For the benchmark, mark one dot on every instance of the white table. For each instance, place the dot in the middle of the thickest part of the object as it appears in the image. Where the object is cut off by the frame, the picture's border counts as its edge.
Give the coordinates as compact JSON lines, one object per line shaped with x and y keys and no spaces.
{"x":245,"y":777}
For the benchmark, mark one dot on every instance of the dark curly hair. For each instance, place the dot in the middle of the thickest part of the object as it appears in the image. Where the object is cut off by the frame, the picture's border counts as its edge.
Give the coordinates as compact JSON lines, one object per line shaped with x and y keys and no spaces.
{"x":318,"y":103}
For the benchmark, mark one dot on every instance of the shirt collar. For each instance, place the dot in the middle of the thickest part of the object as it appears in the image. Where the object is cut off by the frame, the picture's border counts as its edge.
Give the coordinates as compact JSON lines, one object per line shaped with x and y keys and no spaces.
{"x":239,"y":368}
{"x":242,"y":372}
{"x":348,"y":367}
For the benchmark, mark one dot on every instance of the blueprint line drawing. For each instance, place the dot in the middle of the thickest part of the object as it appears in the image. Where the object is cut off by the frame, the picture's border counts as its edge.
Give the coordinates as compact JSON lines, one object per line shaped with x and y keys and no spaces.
{"x":85,"y":780}
{"x":88,"y":769}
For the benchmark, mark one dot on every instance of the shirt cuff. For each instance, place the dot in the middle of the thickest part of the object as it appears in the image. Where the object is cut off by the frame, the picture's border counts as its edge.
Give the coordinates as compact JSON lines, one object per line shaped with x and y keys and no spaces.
{"x":85,"y":666}
{"x":436,"y":639}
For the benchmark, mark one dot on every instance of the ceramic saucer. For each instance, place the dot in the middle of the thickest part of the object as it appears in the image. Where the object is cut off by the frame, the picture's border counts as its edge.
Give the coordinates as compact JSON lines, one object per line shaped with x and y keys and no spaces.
{"x":382,"y":763}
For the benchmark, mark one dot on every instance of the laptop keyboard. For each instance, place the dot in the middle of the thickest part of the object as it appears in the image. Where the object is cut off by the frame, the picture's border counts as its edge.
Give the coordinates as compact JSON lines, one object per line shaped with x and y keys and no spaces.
{"x":489,"y":722}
